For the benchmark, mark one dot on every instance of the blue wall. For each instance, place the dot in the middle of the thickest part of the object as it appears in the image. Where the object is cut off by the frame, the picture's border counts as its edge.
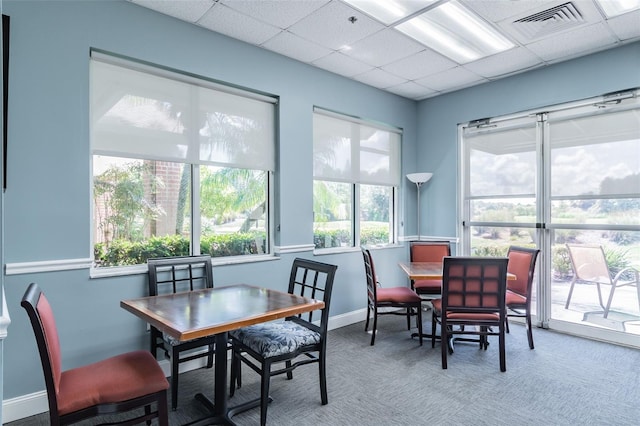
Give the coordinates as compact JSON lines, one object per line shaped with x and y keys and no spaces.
{"x":438,"y":117}
{"x":47,"y":203}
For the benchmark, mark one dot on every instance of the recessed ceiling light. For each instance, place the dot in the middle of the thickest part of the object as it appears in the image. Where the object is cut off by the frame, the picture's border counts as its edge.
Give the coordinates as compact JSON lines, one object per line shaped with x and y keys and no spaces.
{"x":618,"y":7}
{"x":389,"y":11}
{"x":456,"y":32}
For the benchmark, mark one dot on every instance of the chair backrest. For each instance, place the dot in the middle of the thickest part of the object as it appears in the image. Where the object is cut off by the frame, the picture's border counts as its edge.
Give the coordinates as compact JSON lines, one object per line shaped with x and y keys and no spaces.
{"x":46,"y":332}
{"x":370,"y":273}
{"x":313,"y":279}
{"x":589,"y":263}
{"x":474,"y":284}
{"x":522,"y":263}
{"x":176,"y":274}
{"x":429,"y":251}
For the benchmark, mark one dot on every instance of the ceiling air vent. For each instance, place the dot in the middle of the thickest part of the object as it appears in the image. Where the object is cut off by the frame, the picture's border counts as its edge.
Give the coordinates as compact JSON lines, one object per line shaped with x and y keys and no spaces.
{"x":549,"y":21}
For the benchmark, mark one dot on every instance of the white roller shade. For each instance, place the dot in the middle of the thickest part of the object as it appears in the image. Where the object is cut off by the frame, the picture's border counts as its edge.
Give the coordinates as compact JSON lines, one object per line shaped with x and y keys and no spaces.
{"x":144,"y":115}
{"x":350,"y":151}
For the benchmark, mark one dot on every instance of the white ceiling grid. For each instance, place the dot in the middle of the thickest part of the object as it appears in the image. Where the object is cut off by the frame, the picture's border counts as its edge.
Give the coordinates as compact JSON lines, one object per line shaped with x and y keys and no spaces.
{"x":320,"y":33}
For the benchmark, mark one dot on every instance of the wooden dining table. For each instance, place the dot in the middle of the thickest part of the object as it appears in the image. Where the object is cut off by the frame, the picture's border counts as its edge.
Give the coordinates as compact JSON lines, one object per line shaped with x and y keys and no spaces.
{"x":192,"y":314}
{"x":429,"y":270}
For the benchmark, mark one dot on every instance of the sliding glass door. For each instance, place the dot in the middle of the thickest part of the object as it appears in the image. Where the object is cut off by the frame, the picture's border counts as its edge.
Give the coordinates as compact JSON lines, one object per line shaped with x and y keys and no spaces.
{"x":557,"y":179}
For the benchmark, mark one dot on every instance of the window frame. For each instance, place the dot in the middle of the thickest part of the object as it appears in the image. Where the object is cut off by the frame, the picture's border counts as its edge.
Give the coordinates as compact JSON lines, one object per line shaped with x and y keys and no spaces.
{"x":212,"y":87}
{"x":355,"y":179}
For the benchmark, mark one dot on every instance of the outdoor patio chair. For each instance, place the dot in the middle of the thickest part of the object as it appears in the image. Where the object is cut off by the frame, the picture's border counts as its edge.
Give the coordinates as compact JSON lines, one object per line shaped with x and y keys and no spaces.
{"x":590,"y":266}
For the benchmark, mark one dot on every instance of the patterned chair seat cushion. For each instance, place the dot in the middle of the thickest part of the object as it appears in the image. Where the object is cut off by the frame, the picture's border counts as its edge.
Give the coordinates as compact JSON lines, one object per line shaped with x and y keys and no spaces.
{"x":275,"y":338}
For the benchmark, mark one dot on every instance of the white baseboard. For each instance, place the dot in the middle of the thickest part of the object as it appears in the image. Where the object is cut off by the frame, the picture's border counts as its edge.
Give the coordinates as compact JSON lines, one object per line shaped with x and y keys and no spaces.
{"x":35,"y":403}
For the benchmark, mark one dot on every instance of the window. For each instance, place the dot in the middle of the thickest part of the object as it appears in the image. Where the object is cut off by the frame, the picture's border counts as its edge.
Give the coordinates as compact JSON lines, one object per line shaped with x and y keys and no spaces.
{"x":356,"y":170}
{"x":181,"y":165}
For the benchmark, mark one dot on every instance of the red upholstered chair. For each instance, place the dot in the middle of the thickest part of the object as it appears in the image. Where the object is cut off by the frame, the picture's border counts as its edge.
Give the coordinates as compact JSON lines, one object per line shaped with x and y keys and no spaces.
{"x":122,"y":383}
{"x":522,"y":263}
{"x":428,"y":251}
{"x":389,"y":297}
{"x":473,"y":298}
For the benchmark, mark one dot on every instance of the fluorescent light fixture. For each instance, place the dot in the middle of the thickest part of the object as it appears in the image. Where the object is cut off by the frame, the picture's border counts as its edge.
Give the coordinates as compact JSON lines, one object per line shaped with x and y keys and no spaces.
{"x":618,"y":7}
{"x":389,"y":11}
{"x":455,"y":32}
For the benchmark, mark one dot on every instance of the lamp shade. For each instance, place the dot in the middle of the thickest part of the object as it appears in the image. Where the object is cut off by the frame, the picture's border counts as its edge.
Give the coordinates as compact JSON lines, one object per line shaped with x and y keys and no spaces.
{"x":419,"y":177}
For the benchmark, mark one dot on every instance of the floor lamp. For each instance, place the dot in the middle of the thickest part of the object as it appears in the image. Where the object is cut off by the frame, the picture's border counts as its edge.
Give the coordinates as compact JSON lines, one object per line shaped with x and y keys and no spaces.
{"x":419,"y":179}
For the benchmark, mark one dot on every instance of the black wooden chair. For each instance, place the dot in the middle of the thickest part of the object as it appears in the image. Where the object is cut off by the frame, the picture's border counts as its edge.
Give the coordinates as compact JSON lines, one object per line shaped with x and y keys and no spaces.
{"x":119,"y":384}
{"x":389,"y":297}
{"x":172,"y":275}
{"x":473,"y":298}
{"x":295,"y":341}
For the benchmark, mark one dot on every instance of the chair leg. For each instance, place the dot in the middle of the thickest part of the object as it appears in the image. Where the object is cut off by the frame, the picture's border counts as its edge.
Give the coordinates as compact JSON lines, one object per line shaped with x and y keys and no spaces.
{"x":529,"y":331}
{"x":501,"y":344}
{"x":322,"y":368}
{"x":409,"y":311}
{"x":433,"y":329}
{"x":290,"y":372}
{"x":210,"y":356}
{"x":445,"y":345}
{"x":264,"y":392}
{"x":366,"y":324}
{"x":163,"y":411}
{"x":236,"y":372}
{"x":506,"y":323}
{"x":573,"y":282}
{"x":419,"y":321}
{"x":375,"y":326}
{"x":606,"y":309}
{"x":175,"y":364}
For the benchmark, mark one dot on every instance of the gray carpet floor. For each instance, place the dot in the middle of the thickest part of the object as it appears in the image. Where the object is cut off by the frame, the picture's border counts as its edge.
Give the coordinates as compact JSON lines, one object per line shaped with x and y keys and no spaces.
{"x":565,"y":380}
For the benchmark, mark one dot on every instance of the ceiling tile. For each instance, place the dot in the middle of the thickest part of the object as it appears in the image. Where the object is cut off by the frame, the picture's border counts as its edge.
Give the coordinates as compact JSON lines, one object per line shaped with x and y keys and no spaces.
{"x":451,"y":79}
{"x":329,"y":26}
{"x":504,"y":63}
{"x":572,"y":43}
{"x":379,"y":78}
{"x":280,"y":13}
{"x":383,"y":47}
{"x":234,"y":24}
{"x":412,"y":90}
{"x":187,"y":10}
{"x":420,"y":65}
{"x":627,"y":26}
{"x":342,"y":64}
{"x":295,"y":47}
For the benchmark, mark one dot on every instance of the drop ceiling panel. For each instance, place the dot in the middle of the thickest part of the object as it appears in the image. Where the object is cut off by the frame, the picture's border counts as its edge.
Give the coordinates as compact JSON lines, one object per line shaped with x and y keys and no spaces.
{"x":295,"y":47}
{"x":280,"y":13}
{"x":383,"y":47}
{"x":411,"y":90}
{"x":456,"y":77}
{"x":331,"y":28}
{"x":378,"y":78}
{"x":626,"y":26}
{"x":342,"y":64}
{"x":573,"y":43}
{"x":187,"y":10}
{"x":422,"y":64}
{"x":504,"y":63}
{"x":232,"y":23}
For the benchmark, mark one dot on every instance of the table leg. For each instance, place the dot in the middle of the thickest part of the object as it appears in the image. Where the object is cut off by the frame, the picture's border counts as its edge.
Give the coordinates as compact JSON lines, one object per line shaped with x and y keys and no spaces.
{"x":218,"y":408}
